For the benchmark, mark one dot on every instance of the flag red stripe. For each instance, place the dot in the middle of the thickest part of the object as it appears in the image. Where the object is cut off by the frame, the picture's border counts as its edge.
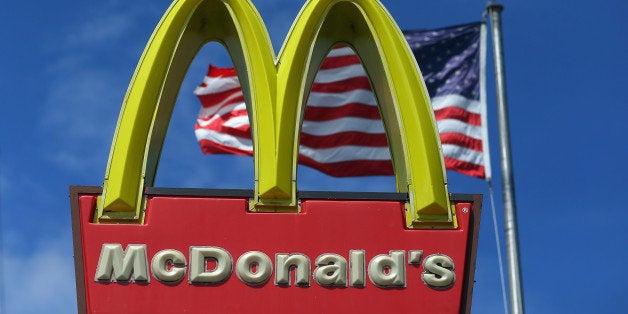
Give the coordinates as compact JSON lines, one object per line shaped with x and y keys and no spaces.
{"x":211,"y":147}
{"x":313,"y":141}
{"x":348,"y":138}
{"x":224,"y":117}
{"x":242,"y":133}
{"x":466,"y":168}
{"x":353,"y":168}
{"x":339,"y":62}
{"x":360,"y":82}
{"x":461,"y":140}
{"x":218,"y":126}
{"x":458,"y":114}
{"x":344,"y":138}
{"x":209,"y":100}
{"x":215,"y":71}
{"x":349,"y":110}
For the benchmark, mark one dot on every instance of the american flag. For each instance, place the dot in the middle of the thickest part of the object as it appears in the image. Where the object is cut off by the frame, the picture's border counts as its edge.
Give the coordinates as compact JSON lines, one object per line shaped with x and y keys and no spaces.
{"x":342,"y":133}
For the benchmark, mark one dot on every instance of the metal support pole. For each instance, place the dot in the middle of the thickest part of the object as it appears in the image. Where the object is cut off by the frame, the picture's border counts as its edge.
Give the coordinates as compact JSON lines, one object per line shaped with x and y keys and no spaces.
{"x":508,"y":186}
{"x":3,"y":306}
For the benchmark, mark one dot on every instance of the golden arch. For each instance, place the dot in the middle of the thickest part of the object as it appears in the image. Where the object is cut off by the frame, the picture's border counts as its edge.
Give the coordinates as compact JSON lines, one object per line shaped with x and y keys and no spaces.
{"x":275,"y":90}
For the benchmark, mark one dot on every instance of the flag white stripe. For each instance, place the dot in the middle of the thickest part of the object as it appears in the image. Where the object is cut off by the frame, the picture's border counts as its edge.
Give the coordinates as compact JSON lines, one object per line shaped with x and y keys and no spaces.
{"x":237,"y":121}
{"x":340,"y":153}
{"x":339,"y":52}
{"x":215,"y":85}
{"x":442,"y":102}
{"x":345,"y":153}
{"x":328,"y":100}
{"x":457,"y":126}
{"x":463,"y":154}
{"x":217,"y":108}
{"x":340,"y":74}
{"x":243,"y":144}
{"x":204,"y":120}
{"x":347,"y":124}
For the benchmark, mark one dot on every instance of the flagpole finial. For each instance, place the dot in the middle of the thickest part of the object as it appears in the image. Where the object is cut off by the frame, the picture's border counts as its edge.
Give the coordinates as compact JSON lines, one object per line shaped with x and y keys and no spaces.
{"x":493,"y":6}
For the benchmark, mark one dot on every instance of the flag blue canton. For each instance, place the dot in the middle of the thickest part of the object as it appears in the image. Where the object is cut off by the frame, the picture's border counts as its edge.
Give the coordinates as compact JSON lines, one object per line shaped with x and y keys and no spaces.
{"x":449,"y":59}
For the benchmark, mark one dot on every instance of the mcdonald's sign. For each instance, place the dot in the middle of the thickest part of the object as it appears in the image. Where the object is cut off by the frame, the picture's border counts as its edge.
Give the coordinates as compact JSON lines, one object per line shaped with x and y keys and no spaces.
{"x":140,"y":248}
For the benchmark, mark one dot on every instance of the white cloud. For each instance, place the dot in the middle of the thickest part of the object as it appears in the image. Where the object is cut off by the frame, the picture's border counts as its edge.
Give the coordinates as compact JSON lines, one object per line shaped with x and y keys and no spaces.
{"x":100,"y":23}
{"x":81,"y":163}
{"x":79,"y":117}
{"x":87,"y":80}
{"x":13,"y":183}
{"x":78,"y":102}
{"x":102,"y":29}
{"x":41,"y":280}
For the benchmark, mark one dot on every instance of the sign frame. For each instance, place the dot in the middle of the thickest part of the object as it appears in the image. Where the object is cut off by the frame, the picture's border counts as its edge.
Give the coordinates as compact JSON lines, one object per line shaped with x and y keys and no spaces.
{"x":471,"y":245}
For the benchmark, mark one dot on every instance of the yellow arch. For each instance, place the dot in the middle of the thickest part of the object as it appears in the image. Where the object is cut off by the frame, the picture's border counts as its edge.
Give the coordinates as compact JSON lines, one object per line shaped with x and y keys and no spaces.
{"x":185,"y":27}
{"x":402,"y":97}
{"x":276,"y":91}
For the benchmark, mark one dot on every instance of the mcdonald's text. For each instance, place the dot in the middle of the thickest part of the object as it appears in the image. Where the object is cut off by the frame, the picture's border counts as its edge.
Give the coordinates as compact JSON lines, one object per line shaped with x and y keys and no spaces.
{"x":211,"y":265}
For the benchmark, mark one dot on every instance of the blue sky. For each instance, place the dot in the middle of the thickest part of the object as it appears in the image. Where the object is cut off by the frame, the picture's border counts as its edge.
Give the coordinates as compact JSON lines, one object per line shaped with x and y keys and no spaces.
{"x":65,"y":66}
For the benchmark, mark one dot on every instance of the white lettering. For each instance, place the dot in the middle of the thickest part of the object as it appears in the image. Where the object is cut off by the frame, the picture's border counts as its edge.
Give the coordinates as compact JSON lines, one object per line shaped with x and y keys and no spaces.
{"x":285,"y":262}
{"x":414,"y":257}
{"x":331,"y":270}
{"x":200,"y":255}
{"x":438,"y":271}
{"x":122,"y":264}
{"x":358,"y":272}
{"x":388,"y":270}
{"x":254,"y":268}
{"x":168,"y":266}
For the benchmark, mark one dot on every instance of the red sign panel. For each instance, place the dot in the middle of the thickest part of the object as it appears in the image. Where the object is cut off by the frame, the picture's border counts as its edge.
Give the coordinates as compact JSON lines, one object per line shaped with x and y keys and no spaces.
{"x":200,"y":254}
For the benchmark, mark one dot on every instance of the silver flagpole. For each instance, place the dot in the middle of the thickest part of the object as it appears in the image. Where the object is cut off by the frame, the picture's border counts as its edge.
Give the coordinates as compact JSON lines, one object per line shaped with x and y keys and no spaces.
{"x":508,"y":187}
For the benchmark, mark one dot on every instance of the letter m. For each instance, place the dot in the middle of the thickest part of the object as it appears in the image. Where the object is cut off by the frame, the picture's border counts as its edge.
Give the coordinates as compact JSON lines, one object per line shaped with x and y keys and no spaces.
{"x":122,"y":264}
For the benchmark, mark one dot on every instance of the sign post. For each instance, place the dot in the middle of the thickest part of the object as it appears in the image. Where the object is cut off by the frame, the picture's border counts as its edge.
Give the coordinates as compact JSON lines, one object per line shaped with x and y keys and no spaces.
{"x":145,"y":249}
